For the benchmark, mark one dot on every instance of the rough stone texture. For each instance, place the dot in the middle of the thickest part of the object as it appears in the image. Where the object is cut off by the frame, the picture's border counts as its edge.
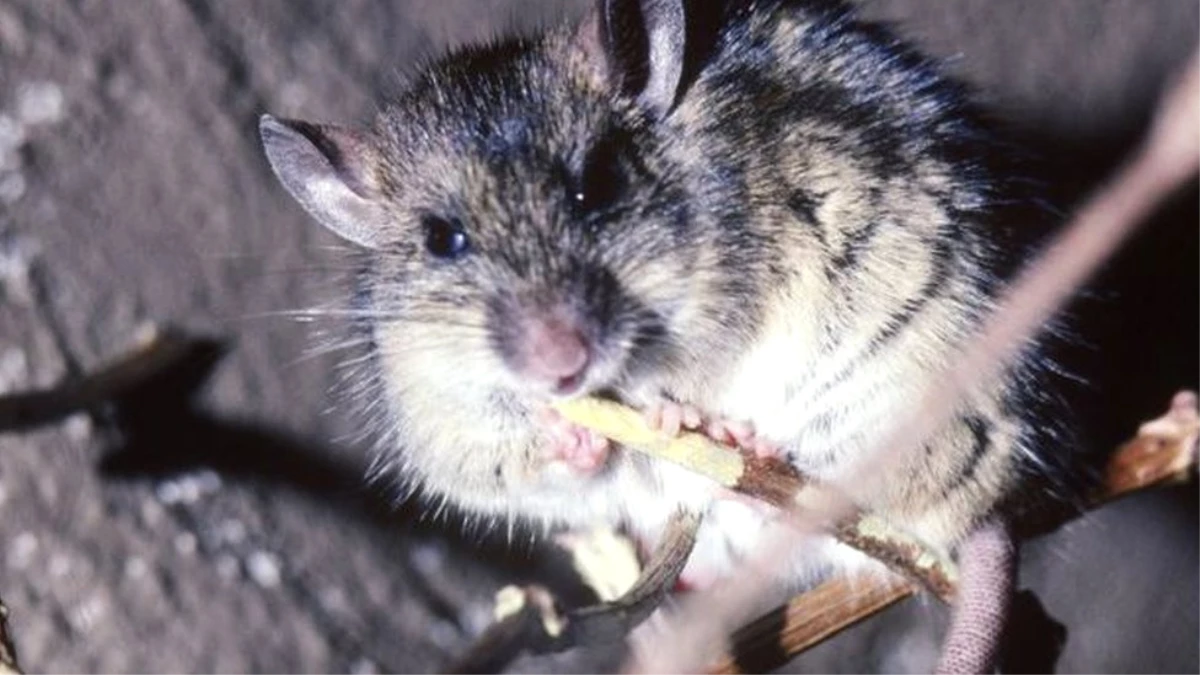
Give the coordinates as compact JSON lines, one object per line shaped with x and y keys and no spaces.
{"x":132,"y":188}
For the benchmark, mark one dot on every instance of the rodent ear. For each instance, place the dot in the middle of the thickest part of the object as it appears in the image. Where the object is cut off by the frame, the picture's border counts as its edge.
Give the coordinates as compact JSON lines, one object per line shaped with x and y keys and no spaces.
{"x":326,"y":169}
{"x":639,"y":46}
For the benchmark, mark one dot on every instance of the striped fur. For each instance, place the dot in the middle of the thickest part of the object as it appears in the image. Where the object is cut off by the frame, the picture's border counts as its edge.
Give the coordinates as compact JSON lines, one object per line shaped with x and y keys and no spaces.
{"x":803,"y":240}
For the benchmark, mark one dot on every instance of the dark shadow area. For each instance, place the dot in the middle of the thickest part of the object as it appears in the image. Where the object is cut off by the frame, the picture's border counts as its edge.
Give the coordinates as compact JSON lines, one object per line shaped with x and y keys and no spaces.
{"x":1133,"y":335}
{"x":1033,"y":640}
{"x":147,"y":405}
{"x":1130,"y":338}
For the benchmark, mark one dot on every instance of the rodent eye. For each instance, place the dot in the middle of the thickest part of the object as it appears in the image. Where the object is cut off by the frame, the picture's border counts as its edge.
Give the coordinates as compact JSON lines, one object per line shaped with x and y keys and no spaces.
{"x":444,"y":238}
{"x":601,"y":182}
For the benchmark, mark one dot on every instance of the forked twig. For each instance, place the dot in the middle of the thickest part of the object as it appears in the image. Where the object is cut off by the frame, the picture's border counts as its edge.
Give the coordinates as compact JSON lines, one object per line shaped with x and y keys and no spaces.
{"x":535,"y":624}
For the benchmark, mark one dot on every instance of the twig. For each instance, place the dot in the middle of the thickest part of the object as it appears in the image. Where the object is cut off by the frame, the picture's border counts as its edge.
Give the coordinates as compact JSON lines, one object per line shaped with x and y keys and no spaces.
{"x":771,"y":480}
{"x":807,"y":620}
{"x":8,"y":653}
{"x":159,"y":352}
{"x":529,"y":621}
{"x":533,"y":623}
{"x":609,"y":622}
{"x":1164,"y":451}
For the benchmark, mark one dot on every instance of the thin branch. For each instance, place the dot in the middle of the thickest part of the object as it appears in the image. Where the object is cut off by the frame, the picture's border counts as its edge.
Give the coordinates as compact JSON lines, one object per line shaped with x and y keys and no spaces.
{"x":807,"y":620}
{"x":612,"y":621}
{"x":158,"y":353}
{"x":8,"y":653}
{"x":533,"y":623}
{"x":768,"y":479}
{"x":1164,"y":451}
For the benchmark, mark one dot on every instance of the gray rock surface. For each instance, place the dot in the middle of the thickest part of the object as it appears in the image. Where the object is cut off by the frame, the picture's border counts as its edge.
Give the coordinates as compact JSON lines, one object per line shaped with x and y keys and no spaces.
{"x":132,"y":189}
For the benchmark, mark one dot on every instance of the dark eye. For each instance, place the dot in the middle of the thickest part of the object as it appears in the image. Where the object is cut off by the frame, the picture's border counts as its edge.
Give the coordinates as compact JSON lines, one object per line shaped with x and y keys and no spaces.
{"x":444,"y":238}
{"x":602,"y":180}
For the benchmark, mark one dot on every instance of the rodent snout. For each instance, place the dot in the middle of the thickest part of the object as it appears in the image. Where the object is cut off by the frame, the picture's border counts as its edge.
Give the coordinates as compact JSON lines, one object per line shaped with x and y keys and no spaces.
{"x":556,"y":353}
{"x":551,"y":344}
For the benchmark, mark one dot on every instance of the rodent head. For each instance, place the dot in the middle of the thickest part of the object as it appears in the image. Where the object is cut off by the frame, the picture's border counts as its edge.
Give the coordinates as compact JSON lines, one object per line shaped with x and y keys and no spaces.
{"x":520,"y":204}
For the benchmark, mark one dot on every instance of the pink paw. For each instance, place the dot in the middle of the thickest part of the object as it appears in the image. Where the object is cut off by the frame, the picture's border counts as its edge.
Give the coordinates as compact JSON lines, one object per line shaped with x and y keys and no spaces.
{"x":671,"y":418}
{"x":578,"y":447}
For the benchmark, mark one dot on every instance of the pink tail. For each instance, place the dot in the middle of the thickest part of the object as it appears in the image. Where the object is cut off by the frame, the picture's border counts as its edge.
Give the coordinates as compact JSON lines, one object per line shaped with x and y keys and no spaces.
{"x":987,"y":562}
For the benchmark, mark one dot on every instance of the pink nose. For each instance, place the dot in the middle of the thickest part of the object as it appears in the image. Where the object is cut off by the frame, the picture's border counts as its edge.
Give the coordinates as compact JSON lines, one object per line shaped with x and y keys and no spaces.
{"x":556,"y":352}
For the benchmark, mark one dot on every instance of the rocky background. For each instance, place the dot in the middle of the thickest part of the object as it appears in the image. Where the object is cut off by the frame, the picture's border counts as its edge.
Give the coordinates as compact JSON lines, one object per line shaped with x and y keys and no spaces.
{"x":132,"y":189}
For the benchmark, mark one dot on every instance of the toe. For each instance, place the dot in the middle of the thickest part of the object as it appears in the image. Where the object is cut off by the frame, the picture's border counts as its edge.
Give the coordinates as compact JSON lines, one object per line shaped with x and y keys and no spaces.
{"x":691,"y":417}
{"x":672,"y":419}
{"x":653,"y":416}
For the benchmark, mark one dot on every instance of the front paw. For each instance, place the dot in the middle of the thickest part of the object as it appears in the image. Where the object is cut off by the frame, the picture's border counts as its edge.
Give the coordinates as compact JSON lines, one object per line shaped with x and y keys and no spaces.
{"x":578,"y":448}
{"x":671,"y":418}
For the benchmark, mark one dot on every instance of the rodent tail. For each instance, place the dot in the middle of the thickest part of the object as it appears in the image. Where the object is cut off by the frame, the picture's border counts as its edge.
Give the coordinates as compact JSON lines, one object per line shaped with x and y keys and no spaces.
{"x":987,"y":560}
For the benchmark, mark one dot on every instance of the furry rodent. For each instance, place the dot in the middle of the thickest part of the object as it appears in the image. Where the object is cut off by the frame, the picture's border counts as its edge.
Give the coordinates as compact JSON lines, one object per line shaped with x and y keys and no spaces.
{"x":763,"y":209}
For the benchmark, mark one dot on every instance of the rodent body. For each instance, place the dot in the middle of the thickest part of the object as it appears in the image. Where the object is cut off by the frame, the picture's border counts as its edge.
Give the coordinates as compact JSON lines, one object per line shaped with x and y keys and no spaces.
{"x":792,"y":224}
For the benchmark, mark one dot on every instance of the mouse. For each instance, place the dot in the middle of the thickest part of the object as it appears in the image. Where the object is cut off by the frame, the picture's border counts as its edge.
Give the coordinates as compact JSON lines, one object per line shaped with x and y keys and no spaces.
{"x":764,"y":220}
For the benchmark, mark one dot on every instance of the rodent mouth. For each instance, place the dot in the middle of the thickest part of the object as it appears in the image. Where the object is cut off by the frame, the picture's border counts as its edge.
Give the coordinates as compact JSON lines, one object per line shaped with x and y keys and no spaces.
{"x":567,"y":386}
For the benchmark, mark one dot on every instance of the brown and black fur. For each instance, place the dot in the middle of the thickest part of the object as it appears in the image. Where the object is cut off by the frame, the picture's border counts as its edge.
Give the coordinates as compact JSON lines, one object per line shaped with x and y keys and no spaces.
{"x":761,"y":208}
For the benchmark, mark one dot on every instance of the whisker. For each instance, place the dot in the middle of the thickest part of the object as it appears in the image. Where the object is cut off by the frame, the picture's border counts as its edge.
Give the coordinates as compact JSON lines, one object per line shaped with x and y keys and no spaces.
{"x":327,"y":349}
